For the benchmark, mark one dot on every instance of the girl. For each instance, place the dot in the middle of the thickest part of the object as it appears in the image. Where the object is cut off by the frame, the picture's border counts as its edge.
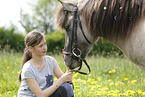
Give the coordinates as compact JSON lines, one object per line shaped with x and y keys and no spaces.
{"x":38,"y":69}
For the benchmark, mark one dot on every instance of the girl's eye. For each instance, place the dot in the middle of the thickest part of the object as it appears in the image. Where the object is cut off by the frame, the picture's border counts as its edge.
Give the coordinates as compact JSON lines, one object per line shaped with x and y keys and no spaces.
{"x":40,"y":46}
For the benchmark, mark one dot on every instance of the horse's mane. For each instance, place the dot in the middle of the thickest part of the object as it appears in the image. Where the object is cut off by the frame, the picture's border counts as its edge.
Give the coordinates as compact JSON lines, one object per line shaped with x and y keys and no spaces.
{"x":112,"y":17}
{"x":109,"y":18}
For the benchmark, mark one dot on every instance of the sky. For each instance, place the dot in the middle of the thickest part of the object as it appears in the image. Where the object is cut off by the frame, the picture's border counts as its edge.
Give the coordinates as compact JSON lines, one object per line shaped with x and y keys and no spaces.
{"x":10,"y":12}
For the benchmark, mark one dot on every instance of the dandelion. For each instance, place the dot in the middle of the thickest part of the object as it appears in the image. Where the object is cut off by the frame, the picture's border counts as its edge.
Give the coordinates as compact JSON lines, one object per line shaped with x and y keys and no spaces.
{"x":125,"y":79}
{"x":143,"y":93}
{"x":139,"y":91}
{"x":98,"y":85}
{"x":113,"y":70}
{"x":4,"y":74}
{"x":75,"y":75}
{"x":9,"y":92}
{"x":18,"y":72}
{"x":110,"y":72}
{"x":104,"y":92}
{"x":122,"y":83}
{"x":130,"y":92}
{"x":133,"y":81}
{"x":98,"y":78}
{"x":94,"y":82}
{"x":8,"y":67}
{"x":111,"y":84}
{"x":116,"y":84}
{"x":89,"y":80}
{"x":109,"y":80}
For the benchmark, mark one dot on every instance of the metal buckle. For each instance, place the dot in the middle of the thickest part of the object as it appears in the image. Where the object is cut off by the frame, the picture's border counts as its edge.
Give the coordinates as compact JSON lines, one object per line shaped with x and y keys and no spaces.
{"x":75,"y":51}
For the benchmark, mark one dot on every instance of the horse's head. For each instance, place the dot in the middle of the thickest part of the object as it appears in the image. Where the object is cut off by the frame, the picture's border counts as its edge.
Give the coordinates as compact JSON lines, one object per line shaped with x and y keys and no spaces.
{"x":78,"y":40}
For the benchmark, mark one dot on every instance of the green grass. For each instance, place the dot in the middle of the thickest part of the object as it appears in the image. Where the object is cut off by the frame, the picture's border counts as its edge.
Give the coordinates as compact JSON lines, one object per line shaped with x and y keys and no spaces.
{"x":110,"y":77}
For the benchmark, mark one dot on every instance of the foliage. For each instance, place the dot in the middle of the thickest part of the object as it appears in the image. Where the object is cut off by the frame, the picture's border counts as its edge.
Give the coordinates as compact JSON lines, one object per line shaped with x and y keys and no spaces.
{"x":41,"y":16}
{"x":110,"y":77}
{"x":105,"y":48}
{"x":55,"y":41}
{"x":9,"y":40}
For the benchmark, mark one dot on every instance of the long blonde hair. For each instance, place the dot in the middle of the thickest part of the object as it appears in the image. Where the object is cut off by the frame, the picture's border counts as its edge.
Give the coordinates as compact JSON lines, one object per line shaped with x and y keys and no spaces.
{"x":32,"y":39}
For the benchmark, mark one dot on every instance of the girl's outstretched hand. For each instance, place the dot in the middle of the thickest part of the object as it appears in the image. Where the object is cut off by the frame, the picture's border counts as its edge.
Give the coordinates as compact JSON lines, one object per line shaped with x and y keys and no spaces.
{"x":67,"y":77}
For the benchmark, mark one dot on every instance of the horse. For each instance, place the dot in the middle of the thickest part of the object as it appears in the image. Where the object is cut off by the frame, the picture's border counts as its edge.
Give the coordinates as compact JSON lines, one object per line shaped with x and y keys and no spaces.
{"x":122,"y":22}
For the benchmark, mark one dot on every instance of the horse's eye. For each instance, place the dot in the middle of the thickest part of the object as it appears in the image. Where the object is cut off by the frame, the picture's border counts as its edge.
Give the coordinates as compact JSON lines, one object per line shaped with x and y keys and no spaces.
{"x":67,"y":27}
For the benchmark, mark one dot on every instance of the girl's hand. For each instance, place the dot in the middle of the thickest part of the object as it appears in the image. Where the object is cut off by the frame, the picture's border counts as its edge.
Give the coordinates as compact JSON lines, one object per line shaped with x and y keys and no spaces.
{"x":66,"y":77}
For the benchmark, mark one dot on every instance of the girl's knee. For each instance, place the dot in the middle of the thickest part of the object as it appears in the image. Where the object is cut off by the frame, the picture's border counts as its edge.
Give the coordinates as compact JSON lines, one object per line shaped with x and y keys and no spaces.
{"x":68,"y":88}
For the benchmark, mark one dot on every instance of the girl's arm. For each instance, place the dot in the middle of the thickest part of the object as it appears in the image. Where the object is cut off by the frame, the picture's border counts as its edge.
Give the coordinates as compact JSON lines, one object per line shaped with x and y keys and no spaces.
{"x":58,"y":72}
{"x":33,"y":85}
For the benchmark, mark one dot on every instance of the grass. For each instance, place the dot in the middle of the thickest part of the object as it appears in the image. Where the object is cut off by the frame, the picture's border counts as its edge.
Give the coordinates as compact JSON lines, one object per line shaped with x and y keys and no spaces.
{"x":110,"y":77}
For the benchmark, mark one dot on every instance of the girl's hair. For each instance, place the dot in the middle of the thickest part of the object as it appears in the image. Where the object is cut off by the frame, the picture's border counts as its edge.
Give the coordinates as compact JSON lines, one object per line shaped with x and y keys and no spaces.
{"x":32,"y":39}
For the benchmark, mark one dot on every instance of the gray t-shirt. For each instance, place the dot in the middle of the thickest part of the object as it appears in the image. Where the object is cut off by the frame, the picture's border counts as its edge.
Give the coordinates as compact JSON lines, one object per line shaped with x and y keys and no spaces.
{"x":43,"y":77}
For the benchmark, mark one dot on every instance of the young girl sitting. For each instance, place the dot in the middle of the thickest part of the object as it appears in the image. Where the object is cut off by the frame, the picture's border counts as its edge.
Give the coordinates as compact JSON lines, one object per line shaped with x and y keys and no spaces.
{"x":38,"y":68}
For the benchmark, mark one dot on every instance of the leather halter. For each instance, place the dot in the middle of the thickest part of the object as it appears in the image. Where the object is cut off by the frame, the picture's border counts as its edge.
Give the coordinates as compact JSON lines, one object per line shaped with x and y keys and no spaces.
{"x":72,"y":53}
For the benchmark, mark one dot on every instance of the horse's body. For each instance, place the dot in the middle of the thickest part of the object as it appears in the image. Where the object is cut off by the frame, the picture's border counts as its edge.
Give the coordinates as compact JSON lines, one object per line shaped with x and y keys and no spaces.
{"x":120,"y":21}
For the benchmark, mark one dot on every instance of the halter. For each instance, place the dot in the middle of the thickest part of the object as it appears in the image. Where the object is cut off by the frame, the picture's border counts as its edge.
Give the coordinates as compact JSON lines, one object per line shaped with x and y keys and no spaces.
{"x":75,"y":51}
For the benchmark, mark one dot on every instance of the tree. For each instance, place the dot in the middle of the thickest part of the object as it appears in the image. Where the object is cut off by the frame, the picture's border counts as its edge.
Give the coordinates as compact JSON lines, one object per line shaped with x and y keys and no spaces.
{"x":41,"y":16}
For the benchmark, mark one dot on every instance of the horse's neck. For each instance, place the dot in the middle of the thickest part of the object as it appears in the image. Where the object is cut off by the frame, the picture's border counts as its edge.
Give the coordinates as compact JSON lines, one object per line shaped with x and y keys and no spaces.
{"x":134,"y":46}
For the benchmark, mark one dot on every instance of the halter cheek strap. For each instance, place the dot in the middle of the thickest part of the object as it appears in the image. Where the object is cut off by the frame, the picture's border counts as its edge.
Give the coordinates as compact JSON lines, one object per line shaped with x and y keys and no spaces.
{"x":75,"y":52}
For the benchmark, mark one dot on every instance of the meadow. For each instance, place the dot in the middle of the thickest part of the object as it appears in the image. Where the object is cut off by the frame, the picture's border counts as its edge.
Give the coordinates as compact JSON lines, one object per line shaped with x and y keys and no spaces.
{"x":110,"y":77}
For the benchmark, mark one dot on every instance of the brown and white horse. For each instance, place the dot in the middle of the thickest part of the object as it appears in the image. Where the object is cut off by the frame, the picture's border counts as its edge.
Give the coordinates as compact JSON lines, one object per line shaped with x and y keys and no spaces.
{"x":120,"y":21}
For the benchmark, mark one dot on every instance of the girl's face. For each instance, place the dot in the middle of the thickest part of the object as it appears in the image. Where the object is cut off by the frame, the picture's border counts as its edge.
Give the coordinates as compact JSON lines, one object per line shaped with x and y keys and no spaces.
{"x":40,"y":49}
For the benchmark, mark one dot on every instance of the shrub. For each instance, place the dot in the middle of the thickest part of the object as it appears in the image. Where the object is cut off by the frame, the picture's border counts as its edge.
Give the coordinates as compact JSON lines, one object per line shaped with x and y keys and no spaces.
{"x":10,"y":40}
{"x":55,"y":41}
{"x":105,"y":48}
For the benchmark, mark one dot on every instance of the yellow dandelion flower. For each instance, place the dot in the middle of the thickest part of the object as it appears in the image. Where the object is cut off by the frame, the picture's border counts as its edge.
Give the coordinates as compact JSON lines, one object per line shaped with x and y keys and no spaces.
{"x":115,"y":95}
{"x":110,"y":72}
{"x":133,"y":81}
{"x":143,"y":93}
{"x":104,"y":92}
{"x":93,"y":79}
{"x":113,"y":70}
{"x":9,"y":92}
{"x":121,"y":82}
{"x":74,"y":80}
{"x":8,"y":67}
{"x":111,"y":84}
{"x":98,"y":94}
{"x":75,"y":75}
{"x":94,"y":82}
{"x":139,"y":91}
{"x":89,"y":80}
{"x":18,"y":72}
{"x":98,"y":78}
{"x":109,"y":80}
{"x":98,"y":85}
{"x":130,"y":92}
{"x":125,"y":79}
{"x":116,"y":84}
{"x":4,"y":74}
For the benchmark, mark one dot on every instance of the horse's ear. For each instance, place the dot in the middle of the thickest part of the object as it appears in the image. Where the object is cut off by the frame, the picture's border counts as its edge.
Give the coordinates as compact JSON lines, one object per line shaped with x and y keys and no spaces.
{"x":67,"y":6}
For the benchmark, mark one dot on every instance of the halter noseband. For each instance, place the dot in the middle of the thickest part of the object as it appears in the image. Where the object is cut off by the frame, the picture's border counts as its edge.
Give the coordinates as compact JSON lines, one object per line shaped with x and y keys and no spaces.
{"x":76,"y":52}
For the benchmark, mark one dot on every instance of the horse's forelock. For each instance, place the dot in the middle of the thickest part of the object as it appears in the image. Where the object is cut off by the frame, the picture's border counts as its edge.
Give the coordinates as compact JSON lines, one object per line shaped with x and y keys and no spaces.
{"x":62,"y":14}
{"x":61,"y":17}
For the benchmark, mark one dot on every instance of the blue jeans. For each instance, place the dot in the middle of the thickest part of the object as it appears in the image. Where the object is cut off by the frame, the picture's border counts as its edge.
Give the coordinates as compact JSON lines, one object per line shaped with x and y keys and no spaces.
{"x":65,"y":90}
